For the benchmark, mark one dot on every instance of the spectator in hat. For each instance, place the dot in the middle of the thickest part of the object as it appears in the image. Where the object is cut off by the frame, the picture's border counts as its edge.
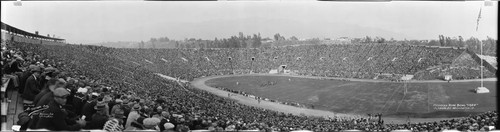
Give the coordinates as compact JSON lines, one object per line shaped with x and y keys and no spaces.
{"x":63,"y":75}
{"x":146,"y":111}
{"x":107,"y":100}
{"x":50,"y":69}
{"x":55,"y":117}
{"x":24,"y":76}
{"x":133,"y":115}
{"x":32,"y":87}
{"x":79,"y":100}
{"x":156,"y":115}
{"x":231,"y":128}
{"x":119,"y":114}
{"x":160,"y":101}
{"x":88,"y":108}
{"x":126,"y":106}
{"x":14,"y":65}
{"x":167,"y":127}
{"x":117,"y":106}
{"x":150,"y":123}
{"x":49,"y":73}
{"x":165,"y":118}
{"x":111,"y":103}
{"x":182,"y":128}
{"x":158,"y":109}
{"x":47,"y":94}
{"x":100,"y":117}
{"x":212,"y":126}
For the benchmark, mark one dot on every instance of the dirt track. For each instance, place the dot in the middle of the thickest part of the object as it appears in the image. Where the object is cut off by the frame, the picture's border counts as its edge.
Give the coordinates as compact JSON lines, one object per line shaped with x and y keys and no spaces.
{"x":200,"y":83}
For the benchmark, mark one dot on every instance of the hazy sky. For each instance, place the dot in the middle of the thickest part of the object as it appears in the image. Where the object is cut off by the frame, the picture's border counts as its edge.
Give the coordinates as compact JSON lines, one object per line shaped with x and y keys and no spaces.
{"x":91,"y":22}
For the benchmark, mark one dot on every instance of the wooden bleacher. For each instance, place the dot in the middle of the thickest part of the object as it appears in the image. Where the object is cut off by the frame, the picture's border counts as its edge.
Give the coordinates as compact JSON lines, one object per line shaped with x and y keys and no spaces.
{"x":12,"y":105}
{"x":3,"y":89}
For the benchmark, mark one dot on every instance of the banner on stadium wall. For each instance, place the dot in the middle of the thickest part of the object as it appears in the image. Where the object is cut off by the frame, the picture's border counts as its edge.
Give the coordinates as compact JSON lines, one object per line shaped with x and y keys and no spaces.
{"x":273,"y":71}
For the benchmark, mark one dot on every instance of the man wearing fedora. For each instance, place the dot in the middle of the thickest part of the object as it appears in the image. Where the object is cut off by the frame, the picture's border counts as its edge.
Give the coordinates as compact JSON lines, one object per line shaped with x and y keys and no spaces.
{"x":88,"y":107}
{"x":47,"y":94}
{"x":47,"y":74}
{"x":99,"y":118}
{"x":79,"y":100}
{"x":23,"y":77}
{"x":55,"y":118}
{"x":133,"y":115}
{"x":165,"y":118}
{"x":32,"y":87}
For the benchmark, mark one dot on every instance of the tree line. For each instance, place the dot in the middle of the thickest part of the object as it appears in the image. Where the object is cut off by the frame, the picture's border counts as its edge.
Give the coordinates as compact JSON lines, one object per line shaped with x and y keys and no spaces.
{"x":240,"y":41}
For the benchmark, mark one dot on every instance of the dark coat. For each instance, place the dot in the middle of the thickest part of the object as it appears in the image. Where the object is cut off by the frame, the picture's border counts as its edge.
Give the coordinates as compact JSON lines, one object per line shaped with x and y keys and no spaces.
{"x":70,"y":98}
{"x":55,"y":119}
{"x":34,"y":119}
{"x":16,"y":67}
{"x":78,"y":101}
{"x":111,"y":104}
{"x":13,"y":67}
{"x":126,"y":110}
{"x":31,"y":88}
{"x":40,"y":95}
{"x":162,"y":122}
{"x":42,"y":80}
{"x":88,"y":109}
{"x":46,"y":99}
{"x":98,"y":121}
{"x":22,"y":80}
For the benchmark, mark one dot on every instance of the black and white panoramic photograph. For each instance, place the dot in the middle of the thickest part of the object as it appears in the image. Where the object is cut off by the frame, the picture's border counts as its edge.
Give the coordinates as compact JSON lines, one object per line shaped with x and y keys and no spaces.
{"x":249,"y":66}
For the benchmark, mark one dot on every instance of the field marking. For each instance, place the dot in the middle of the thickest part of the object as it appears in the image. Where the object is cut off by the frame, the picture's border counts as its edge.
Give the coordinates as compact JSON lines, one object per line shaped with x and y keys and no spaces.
{"x":428,"y":99}
{"x":383,"y":108}
{"x":402,"y":99}
{"x":405,"y":91}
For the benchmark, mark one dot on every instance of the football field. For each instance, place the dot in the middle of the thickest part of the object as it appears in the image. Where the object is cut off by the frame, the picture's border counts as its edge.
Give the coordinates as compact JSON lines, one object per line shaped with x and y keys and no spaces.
{"x":422,"y":100}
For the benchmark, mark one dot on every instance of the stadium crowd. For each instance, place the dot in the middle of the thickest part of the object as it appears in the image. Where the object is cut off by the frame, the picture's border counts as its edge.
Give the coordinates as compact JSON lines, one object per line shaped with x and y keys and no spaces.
{"x":75,"y":87}
{"x":345,"y":61}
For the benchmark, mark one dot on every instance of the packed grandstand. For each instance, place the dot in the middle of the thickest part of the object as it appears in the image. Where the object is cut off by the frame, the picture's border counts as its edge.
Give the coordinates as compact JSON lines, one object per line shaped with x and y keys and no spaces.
{"x":114,"y":89}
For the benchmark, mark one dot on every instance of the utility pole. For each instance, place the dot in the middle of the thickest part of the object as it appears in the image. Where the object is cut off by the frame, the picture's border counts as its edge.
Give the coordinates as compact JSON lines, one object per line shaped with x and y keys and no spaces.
{"x":251,"y":65}
{"x":231,"y":63}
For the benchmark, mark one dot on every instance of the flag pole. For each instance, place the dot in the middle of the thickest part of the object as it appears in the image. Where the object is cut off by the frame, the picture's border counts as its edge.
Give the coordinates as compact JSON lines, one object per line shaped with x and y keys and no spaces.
{"x":480,"y":45}
{"x":482,"y":59}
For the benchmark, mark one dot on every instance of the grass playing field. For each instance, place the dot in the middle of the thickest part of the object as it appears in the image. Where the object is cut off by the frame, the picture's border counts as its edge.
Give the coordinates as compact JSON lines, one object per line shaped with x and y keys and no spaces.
{"x":422,"y":100}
